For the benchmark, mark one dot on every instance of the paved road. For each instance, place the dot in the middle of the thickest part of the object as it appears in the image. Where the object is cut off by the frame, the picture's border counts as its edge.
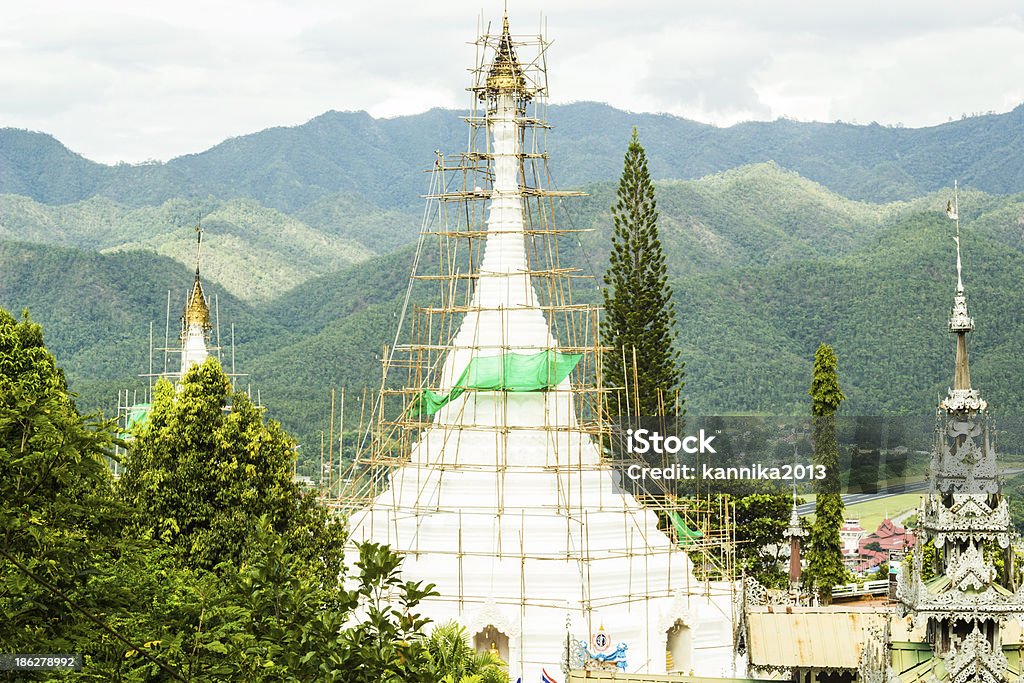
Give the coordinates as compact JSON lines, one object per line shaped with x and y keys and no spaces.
{"x":916,"y":487}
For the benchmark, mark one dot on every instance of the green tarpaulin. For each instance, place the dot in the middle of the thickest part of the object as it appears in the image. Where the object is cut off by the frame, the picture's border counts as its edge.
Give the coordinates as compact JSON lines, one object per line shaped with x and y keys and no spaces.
{"x":505,"y":372}
{"x":684,"y":534}
{"x":138,"y":413}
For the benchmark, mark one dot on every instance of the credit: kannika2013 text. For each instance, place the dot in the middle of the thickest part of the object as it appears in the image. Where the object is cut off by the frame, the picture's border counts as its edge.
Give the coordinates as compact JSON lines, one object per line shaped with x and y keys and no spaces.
{"x":709,"y":472}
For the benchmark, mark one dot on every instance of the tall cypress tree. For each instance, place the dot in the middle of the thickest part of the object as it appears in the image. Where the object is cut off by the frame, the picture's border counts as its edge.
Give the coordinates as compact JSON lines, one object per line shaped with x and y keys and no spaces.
{"x":825,"y":557}
{"x":639,"y":320}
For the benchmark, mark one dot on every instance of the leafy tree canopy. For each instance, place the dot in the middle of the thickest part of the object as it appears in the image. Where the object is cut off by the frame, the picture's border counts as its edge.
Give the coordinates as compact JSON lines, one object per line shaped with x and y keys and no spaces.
{"x":206,"y":464}
{"x":76,"y":574}
{"x":58,"y":519}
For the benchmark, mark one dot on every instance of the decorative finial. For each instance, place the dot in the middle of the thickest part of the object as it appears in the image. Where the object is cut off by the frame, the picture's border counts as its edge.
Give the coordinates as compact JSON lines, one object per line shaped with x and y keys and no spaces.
{"x":505,"y":75}
{"x":796,"y":528}
{"x":953,"y":213}
{"x":197,"y":311}
{"x":959,"y":318}
{"x":199,"y":245}
{"x":961,"y":398}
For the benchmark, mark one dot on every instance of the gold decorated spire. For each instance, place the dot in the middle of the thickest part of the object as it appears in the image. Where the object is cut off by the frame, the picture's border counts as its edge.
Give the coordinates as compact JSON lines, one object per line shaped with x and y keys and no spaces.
{"x":197,"y":311}
{"x":505,"y":75}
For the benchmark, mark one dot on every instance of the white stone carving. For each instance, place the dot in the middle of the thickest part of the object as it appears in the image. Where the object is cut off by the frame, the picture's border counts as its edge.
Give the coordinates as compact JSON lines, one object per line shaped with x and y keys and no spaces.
{"x":974,"y":659}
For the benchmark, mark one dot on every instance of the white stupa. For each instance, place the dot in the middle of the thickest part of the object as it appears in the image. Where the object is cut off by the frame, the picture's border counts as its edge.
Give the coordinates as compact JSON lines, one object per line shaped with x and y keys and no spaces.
{"x":504,"y":502}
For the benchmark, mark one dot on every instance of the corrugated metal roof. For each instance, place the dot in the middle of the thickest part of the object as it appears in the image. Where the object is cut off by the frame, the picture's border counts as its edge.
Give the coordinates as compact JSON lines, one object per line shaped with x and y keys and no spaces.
{"x":914,"y":663}
{"x":806,"y":637}
{"x":906,"y":657}
{"x":933,"y":669}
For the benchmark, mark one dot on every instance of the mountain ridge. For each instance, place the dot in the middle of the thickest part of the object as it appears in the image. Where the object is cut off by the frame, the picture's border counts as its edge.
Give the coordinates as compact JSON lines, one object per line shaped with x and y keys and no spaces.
{"x":291,"y":167}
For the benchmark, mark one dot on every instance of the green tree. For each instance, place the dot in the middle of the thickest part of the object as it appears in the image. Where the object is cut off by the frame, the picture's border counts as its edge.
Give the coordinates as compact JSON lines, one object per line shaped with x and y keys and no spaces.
{"x":825,"y":567}
{"x":761,"y":520}
{"x":455,"y":661}
{"x":266,"y":621}
{"x":639,"y":320}
{"x":69,"y":579}
{"x":57,"y":517}
{"x":386,"y":645}
{"x":206,"y":466}
{"x":76,"y":574}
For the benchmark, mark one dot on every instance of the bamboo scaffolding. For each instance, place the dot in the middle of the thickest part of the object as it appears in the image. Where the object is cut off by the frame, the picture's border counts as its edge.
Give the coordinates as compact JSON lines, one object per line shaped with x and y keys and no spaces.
{"x":439,"y":297}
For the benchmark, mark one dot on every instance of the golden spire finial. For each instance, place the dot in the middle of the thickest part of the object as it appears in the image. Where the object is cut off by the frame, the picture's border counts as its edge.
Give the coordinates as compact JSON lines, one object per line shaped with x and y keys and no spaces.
{"x":505,"y":75}
{"x":197,"y":311}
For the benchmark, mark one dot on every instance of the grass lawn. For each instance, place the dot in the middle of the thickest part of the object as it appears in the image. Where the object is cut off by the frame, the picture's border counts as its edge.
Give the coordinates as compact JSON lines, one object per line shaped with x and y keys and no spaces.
{"x":873,"y":512}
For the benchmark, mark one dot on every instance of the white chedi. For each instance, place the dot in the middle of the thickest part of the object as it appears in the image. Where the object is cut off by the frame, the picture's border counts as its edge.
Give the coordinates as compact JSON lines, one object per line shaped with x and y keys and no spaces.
{"x":505,"y":505}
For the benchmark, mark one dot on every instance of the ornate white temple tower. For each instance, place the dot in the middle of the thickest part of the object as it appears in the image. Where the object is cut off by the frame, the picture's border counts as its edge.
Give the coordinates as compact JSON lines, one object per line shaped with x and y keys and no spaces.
{"x":966,"y":602}
{"x":486,"y":469}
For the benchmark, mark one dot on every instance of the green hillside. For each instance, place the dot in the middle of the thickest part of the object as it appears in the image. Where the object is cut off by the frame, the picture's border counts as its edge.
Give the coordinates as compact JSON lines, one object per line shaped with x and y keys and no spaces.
{"x":765,"y":265}
{"x":884,"y":310}
{"x":255,"y":252}
{"x":756,"y":214}
{"x":749,"y":332}
{"x":381,"y":160}
{"x":97,"y":222}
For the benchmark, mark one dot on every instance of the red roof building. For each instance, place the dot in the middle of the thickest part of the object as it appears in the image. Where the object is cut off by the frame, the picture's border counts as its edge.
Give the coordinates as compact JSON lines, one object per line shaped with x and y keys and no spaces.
{"x":889,"y":537}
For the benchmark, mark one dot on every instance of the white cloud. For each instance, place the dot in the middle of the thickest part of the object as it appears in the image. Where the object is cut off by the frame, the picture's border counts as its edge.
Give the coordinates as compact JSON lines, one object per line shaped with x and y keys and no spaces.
{"x":917,"y":80}
{"x":130,"y":81}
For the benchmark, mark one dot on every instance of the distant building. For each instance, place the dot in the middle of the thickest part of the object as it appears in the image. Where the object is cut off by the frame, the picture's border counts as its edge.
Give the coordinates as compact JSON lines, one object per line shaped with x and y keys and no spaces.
{"x":850,"y":534}
{"x":878,"y":546}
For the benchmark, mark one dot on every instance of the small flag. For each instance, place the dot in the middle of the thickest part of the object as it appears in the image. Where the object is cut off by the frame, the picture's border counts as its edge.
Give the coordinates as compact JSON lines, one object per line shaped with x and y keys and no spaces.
{"x":950,"y":213}
{"x":545,"y":677}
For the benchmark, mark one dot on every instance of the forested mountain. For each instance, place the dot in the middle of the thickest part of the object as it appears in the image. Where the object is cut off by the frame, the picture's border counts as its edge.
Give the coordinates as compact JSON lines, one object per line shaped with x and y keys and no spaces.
{"x":778,"y":236}
{"x":380,"y":161}
{"x":765,"y":265}
{"x":258,"y":251}
{"x":747,"y":215}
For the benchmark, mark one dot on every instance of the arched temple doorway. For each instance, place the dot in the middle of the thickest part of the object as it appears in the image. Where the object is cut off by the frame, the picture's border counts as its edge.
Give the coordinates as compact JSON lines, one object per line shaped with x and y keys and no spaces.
{"x":490,"y":638}
{"x":679,"y":648}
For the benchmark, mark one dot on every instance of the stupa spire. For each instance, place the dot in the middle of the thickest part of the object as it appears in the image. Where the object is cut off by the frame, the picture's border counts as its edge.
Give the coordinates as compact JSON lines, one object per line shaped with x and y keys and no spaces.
{"x":506,"y":75}
{"x":961,"y":396}
{"x":492,"y":480}
{"x":195,"y":320}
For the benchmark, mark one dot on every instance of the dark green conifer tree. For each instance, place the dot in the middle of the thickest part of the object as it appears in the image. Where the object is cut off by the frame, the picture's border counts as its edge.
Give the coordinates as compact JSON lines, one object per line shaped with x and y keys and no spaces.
{"x":825,"y":556}
{"x":639,"y":319}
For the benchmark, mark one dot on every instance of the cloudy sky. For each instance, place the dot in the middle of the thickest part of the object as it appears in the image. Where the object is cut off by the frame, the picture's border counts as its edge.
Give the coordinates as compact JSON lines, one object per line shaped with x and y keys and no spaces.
{"x":131,"y":81}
